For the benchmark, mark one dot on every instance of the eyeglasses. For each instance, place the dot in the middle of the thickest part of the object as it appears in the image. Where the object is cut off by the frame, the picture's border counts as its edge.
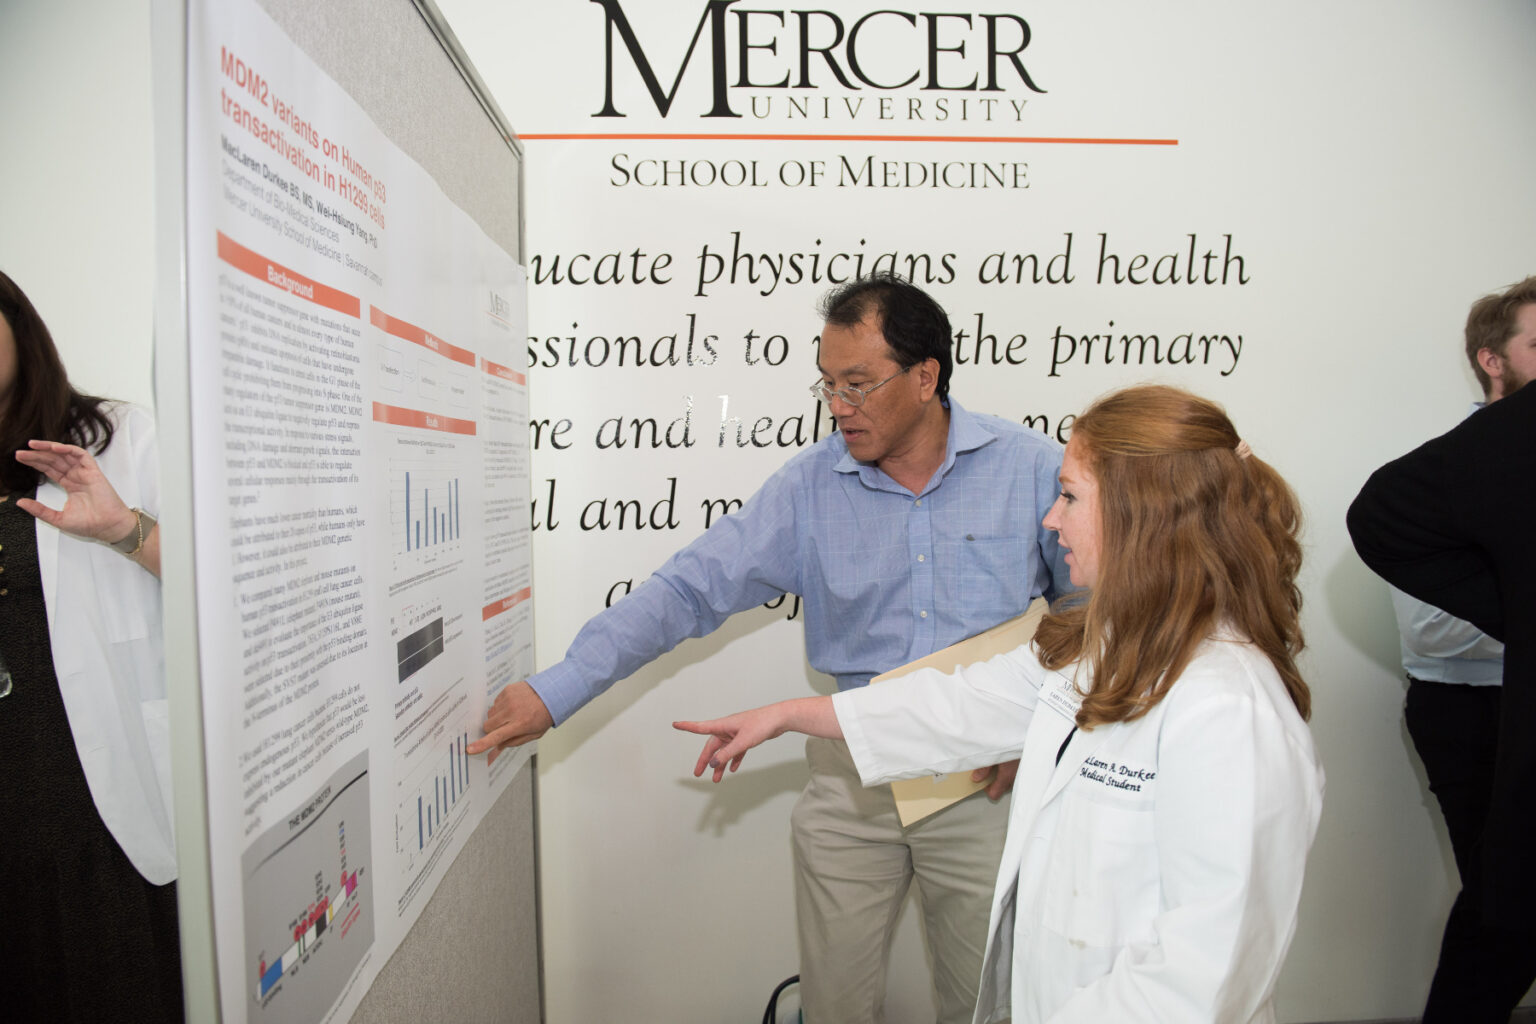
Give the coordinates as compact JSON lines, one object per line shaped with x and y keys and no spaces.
{"x":852,"y":396}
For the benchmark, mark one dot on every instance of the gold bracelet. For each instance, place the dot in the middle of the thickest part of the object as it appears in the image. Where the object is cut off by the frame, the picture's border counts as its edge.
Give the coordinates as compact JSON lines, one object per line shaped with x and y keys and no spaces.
{"x":134,"y":542}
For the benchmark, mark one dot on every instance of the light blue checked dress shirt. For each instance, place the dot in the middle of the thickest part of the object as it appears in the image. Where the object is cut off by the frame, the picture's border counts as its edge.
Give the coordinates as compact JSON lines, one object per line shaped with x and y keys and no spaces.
{"x":885,"y":576}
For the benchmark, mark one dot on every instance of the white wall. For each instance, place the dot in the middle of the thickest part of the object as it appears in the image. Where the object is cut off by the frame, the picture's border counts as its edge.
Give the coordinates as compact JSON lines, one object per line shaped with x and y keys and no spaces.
{"x":1393,"y":136}
{"x":76,"y":172}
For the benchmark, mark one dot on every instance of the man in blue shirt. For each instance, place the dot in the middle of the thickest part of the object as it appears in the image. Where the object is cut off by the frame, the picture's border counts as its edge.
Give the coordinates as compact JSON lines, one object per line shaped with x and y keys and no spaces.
{"x":914,"y":526}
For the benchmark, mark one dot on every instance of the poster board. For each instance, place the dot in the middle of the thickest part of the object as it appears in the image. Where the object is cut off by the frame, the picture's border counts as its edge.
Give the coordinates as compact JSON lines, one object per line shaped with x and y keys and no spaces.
{"x":338,"y":306}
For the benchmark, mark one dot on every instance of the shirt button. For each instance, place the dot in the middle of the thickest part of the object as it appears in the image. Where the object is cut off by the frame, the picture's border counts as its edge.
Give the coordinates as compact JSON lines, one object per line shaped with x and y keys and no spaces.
{"x":921,"y":615}
{"x":918,"y":503}
{"x":922,"y":558}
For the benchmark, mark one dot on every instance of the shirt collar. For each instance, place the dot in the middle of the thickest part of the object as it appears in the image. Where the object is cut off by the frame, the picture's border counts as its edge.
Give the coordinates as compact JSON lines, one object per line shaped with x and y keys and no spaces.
{"x":966,"y":434}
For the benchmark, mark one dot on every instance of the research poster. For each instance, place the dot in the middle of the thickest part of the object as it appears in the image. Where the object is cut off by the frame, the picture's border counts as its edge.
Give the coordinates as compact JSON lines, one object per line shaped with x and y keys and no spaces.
{"x":360,"y":453}
{"x":1234,"y":200}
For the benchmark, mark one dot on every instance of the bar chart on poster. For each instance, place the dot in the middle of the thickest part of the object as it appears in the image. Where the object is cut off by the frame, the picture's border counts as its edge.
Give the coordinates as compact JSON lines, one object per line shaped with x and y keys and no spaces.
{"x":429,"y":808}
{"x":426,"y":510}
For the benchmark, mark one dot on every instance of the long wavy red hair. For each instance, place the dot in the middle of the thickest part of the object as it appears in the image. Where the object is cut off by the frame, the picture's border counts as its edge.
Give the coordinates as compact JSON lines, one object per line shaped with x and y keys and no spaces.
{"x":1194,"y":537}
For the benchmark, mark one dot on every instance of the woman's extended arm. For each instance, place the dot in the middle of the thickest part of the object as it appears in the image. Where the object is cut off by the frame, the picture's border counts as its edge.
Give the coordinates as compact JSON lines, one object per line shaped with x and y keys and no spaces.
{"x":927,"y":722}
{"x":731,"y":737}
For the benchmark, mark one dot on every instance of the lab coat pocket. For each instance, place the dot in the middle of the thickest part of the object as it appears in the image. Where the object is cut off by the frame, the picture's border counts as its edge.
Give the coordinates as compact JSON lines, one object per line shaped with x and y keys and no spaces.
{"x":1102,"y":889}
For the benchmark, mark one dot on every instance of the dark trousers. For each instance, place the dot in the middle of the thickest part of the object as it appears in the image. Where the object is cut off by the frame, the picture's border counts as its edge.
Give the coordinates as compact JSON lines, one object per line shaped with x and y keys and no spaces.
{"x":1483,"y":971}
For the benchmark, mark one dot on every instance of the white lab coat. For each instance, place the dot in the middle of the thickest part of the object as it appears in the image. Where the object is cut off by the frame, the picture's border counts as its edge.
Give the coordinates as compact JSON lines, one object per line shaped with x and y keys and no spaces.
{"x":104,"y":624}
{"x":1154,"y":874}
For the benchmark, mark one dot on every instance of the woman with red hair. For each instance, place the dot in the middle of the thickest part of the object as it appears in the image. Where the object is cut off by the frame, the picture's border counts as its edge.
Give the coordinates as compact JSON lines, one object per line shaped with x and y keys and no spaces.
{"x":1168,"y":790}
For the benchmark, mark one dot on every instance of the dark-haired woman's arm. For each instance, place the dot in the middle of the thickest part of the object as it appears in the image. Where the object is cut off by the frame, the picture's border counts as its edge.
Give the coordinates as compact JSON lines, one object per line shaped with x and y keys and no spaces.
{"x":92,"y":508}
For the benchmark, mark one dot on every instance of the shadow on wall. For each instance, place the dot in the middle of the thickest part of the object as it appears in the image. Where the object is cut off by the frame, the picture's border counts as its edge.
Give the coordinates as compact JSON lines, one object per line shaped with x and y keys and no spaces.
{"x":1357,"y":602}
{"x":1360,"y":606}
{"x":748,"y":790}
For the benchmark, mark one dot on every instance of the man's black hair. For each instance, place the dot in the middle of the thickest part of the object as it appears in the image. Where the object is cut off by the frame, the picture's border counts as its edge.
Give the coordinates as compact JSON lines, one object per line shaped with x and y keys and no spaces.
{"x":914,"y":325}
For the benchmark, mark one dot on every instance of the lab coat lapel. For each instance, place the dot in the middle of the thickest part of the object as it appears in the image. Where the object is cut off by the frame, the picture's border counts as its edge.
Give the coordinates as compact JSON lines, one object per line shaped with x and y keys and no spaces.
{"x":1059,"y":701}
{"x":1052,"y":722}
{"x":1085,"y":743}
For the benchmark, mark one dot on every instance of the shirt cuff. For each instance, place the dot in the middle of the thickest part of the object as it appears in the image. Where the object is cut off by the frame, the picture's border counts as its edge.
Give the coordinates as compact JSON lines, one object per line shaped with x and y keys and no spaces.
{"x":562,"y":693}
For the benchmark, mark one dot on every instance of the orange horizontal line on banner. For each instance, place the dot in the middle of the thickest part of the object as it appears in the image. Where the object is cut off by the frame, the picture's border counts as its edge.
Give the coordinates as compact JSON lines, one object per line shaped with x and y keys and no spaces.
{"x":398,"y":417}
{"x":497,"y":370}
{"x":290,"y":281}
{"x":418,"y":336}
{"x":495,"y":608}
{"x":686,"y":137}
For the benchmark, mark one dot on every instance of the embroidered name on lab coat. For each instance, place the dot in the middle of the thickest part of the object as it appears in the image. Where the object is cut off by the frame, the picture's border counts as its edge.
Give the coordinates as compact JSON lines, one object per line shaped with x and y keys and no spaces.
{"x":1115,"y":775}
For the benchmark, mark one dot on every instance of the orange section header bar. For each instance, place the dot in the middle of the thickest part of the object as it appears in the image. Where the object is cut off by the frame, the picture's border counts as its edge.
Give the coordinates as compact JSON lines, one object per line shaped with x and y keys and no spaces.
{"x":398,"y":417}
{"x":418,"y":336}
{"x":497,"y":370}
{"x":494,"y":609}
{"x":290,"y":281}
{"x":1042,"y":140}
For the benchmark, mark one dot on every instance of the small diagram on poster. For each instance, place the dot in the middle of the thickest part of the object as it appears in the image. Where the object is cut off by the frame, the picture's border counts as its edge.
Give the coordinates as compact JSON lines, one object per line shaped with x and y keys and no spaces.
{"x":309,"y":900}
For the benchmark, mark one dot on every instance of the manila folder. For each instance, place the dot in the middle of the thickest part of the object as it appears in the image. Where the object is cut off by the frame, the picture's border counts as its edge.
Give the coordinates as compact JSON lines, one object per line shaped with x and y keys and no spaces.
{"x":917,"y":798}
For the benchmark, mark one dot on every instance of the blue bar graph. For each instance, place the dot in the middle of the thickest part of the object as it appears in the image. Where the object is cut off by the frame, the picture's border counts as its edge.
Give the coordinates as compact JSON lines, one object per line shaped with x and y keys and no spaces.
{"x":431,"y":513}
{"x":450,"y":780}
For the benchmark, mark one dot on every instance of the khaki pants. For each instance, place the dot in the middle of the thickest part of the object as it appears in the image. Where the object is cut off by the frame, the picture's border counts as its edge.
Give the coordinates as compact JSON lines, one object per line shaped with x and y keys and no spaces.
{"x":853,"y":865}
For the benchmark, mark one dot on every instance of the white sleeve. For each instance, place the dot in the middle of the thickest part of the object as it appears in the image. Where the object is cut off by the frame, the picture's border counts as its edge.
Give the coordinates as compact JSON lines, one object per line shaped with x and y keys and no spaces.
{"x":930,"y":722}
